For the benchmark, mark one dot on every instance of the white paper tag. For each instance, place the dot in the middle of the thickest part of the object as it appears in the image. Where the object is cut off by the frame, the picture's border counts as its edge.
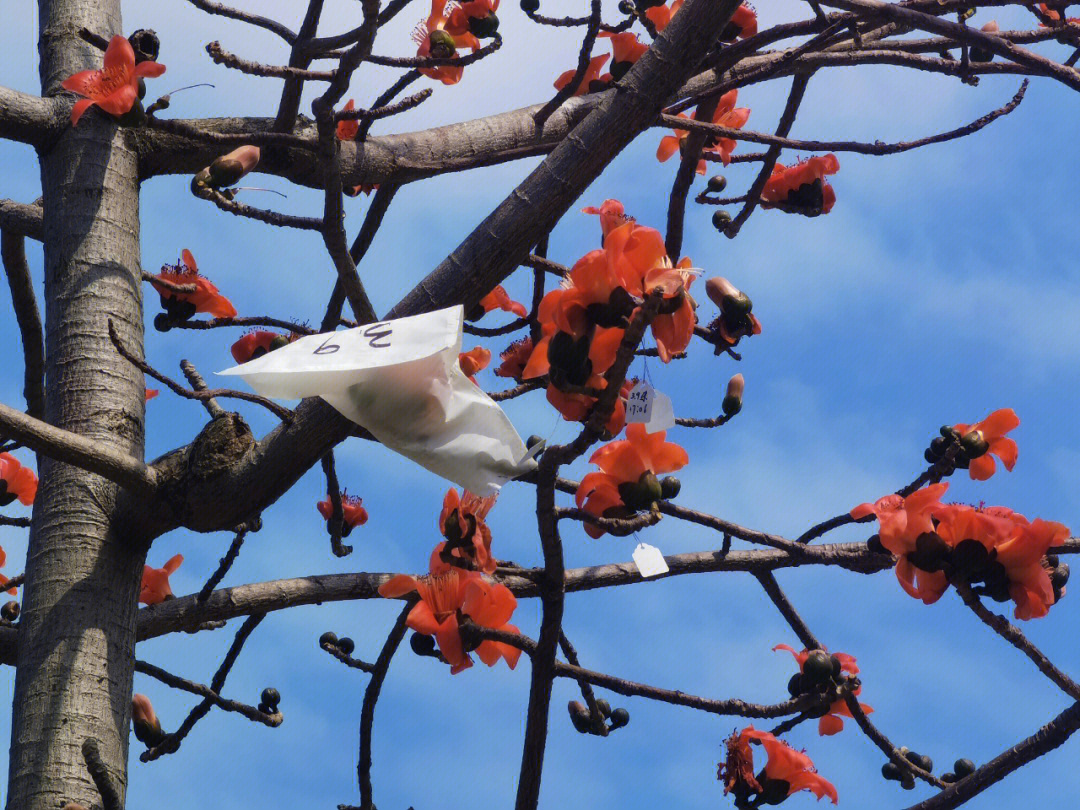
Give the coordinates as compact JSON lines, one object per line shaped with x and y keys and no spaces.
{"x":663,"y":413}
{"x":649,"y":561}
{"x":401,"y":380}
{"x":639,"y":404}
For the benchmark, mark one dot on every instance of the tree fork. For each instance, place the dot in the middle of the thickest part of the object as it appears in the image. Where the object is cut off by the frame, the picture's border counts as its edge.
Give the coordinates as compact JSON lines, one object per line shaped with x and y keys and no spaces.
{"x":76,"y":657}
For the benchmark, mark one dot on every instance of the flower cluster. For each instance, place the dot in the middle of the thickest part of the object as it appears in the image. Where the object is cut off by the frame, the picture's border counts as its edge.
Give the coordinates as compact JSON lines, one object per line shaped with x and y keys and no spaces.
{"x":582,"y":322}
{"x":786,"y":771}
{"x":180,"y":306}
{"x":627,"y":482}
{"x":455,"y":593}
{"x":802,"y":189}
{"x":994,"y":548}
{"x":820,"y":672}
{"x":726,"y":115}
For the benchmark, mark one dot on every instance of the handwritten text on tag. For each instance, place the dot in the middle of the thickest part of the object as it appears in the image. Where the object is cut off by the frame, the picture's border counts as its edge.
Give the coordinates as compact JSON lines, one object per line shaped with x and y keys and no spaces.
{"x":639,"y":403}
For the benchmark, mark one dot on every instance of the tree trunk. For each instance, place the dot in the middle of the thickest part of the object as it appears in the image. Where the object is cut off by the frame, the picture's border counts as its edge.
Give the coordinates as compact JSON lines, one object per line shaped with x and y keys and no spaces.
{"x":77,"y":631}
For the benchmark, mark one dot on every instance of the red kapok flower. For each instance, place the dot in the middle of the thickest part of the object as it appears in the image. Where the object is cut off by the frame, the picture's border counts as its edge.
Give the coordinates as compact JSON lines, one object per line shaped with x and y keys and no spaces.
{"x":206,"y":298}
{"x":462,"y":523}
{"x":155,"y":581}
{"x":4,"y":580}
{"x":736,"y":319}
{"x":475,"y":17}
{"x":499,"y":299}
{"x":449,"y":597}
{"x":353,"y":513}
{"x":1052,"y":14}
{"x":114,"y":88}
{"x":16,"y":481}
{"x":626,"y":49}
{"x":514,"y":359}
{"x":627,"y":477}
{"x":151,"y":393}
{"x":611,"y":213}
{"x":832,"y":722}
{"x":661,"y":15}
{"x":785,"y":765}
{"x":363,"y":188}
{"x":801,"y":189}
{"x":726,"y":115}
{"x":1022,"y":556}
{"x":256,"y":344}
{"x":901,"y":522}
{"x":348,"y":129}
{"x":434,"y":39}
{"x":992,"y":429}
{"x":743,"y":24}
{"x":592,"y":77}
{"x":474,"y":361}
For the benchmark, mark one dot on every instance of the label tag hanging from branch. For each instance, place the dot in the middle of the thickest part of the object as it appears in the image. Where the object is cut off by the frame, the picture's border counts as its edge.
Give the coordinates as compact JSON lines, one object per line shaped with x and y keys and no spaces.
{"x":650,"y":407}
{"x":649,"y":561}
{"x":401,"y":380}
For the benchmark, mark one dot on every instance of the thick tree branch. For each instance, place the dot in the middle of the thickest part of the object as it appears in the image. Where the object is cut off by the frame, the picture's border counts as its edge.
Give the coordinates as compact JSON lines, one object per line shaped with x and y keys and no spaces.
{"x":78,"y":451}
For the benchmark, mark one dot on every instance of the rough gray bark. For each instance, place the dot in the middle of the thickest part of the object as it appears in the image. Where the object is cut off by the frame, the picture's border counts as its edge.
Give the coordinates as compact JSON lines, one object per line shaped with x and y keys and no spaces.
{"x":77,"y":632}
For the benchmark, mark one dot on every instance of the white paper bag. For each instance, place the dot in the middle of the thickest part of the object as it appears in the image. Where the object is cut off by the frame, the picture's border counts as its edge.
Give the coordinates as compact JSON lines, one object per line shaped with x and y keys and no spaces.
{"x":401,"y":380}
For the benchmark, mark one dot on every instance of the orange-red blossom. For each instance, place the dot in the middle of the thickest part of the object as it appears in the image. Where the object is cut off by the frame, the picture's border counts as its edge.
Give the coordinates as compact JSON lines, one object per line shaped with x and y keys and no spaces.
{"x":114,"y":88}
{"x":802,"y":188}
{"x":462,"y":523}
{"x":992,"y":430}
{"x":726,"y":115}
{"x":450,"y":596}
{"x":995,"y":545}
{"x":155,"y":581}
{"x":627,"y":477}
{"x":787,"y":771}
{"x":833,"y":721}
{"x":16,"y":481}
{"x":434,"y":38}
{"x":206,"y":297}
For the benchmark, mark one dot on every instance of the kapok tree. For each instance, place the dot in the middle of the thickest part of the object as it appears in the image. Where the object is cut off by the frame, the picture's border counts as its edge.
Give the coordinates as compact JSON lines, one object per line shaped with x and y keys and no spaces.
{"x":98,"y":506}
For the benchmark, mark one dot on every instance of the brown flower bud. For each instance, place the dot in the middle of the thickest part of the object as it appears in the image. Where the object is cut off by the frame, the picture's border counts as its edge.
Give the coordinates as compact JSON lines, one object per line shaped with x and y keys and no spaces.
{"x":228,"y":169}
{"x":733,"y":398}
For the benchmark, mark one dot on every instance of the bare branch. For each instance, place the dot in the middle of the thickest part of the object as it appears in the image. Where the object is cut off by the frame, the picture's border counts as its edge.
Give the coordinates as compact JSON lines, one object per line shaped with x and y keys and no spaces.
{"x":78,"y":451}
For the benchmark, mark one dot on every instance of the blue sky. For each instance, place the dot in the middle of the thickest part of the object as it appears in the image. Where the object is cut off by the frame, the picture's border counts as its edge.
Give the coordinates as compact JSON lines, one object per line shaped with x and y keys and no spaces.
{"x":942,"y":286}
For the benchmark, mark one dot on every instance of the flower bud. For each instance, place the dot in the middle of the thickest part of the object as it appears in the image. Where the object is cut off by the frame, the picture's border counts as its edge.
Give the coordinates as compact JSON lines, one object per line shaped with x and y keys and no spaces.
{"x":328,"y":639}
{"x":963,"y":767}
{"x":146,"y":726}
{"x":717,"y":183}
{"x":977,"y":53}
{"x":422,"y":645}
{"x":720,"y":219}
{"x":442,"y":44}
{"x":733,"y":398}
{"x":817,"y":668}
{"x":10,"y":610}
{"x":346,"y":645}
{"x":619,"y":718}
{"x":974,"y":444}
{"x":228,"y":169}
{"x":670,"y":487}
{"x":484,"y":27}
{"x":271,"y":697}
